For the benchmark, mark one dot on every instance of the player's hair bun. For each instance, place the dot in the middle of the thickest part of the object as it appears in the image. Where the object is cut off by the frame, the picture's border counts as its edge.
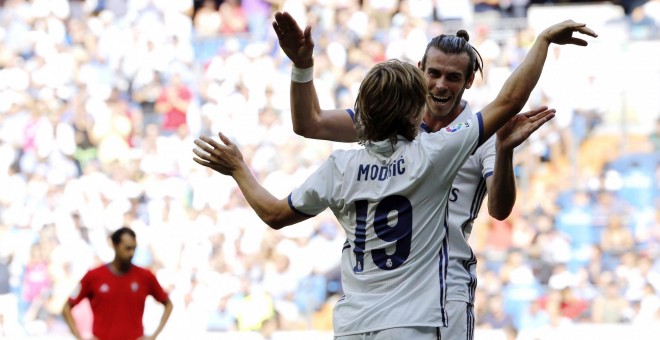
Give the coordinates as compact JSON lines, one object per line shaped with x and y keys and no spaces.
{"x":463,"y":34}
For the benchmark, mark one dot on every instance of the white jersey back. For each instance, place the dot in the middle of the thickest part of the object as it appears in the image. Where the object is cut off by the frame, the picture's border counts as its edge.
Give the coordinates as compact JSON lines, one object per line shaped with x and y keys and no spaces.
{"x":465,"y":199}
{"x":391,"y":202}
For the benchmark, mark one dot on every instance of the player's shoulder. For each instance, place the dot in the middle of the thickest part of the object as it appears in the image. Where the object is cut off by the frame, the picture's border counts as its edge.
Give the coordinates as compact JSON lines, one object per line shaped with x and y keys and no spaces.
{"x":99,"y":269}
{"x":97,"y":272}
{"x":341,"y":157}
{"x":141,"y":270}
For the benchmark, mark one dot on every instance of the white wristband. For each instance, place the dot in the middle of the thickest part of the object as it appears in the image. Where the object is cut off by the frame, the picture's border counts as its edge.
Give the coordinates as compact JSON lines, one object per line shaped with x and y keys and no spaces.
{"x":302,"y":75}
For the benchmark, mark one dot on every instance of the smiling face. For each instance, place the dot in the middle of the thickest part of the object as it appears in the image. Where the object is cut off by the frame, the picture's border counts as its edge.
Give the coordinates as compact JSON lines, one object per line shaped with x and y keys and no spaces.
{"x":446,"y":79}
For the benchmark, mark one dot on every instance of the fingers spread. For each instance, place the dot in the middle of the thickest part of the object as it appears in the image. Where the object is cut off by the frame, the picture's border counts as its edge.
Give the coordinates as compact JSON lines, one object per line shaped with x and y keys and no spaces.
{"x":201,"y":155}
{"x":201,"y":162}
{"x":214,"y":144}
{"x":224,"y":139}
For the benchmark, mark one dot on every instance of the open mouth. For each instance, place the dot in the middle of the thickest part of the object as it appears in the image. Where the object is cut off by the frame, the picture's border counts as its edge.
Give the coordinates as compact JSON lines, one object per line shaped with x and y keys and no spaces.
{"x":439,"y":99}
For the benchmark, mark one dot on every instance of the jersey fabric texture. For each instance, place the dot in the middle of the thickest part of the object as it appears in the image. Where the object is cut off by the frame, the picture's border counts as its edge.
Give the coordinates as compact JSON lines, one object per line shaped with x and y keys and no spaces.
{"x":465,"y":199}
{"x":117,"y":301}
{"x":461,"y":321}
{"x":391,"y":201}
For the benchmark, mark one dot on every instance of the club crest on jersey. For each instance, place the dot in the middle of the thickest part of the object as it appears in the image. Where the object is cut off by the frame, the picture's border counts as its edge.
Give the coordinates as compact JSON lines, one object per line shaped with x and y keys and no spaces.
{"x":134,"y":286}
{"x":457,"y":127}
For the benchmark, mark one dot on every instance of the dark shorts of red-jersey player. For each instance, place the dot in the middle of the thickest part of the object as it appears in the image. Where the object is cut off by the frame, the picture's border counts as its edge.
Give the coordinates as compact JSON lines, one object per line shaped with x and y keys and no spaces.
{"x":117,"y":292}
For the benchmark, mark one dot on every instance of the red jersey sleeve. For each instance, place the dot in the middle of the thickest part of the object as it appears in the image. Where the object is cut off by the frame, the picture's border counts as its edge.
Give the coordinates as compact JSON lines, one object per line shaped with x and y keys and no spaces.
{"x":155,"y":288}
{"x":83,"y":290}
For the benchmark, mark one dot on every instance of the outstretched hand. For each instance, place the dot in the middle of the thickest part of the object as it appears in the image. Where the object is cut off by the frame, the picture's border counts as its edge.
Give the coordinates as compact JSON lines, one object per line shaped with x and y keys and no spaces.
{"x":225,"y":159}
{"x":521,"y":126}
{"x":296,"y":43}
{"x":562,"y":33}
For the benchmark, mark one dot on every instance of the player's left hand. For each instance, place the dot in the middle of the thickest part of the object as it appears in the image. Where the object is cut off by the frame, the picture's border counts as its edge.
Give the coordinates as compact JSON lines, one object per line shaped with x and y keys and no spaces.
{"x":224,"y":159}
{"x":521,"y":126}
{"x":562,"y":33}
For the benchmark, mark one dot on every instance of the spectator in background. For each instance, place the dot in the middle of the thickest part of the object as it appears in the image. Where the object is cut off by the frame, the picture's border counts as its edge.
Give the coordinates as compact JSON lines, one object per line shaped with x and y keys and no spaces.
{"x":147,"y":88}
{"x":649,"y":307}
{"x":617,"y":238}
{"x":221,"y":318}
{"x":234,"y":18}
{"x":259,"y":14}
{"x":641,"y":25}
{"x":572,"y":307}
{"x":207,"y":20}
{"x":36,"y":284}
{"x":495,"y":316}
{"x":534,"y":321}
{"x":173,"y":104}
{"x":610,"y":306}
{"x":8,"y":302}
{"x":655,"y":136}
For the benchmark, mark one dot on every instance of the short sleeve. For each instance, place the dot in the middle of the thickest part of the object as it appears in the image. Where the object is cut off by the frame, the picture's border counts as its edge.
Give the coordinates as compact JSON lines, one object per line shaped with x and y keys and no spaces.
{"x":486,"y":154}
{"x":316,"y":193}
{"x":82,"y":290}
{"x":451,"y":146}
{"x":155,"y":289}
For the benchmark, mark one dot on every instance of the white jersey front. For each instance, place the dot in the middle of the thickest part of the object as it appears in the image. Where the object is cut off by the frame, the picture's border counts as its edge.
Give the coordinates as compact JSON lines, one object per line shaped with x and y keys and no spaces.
{"x":391,"y":202}
{"x":465,"y":199}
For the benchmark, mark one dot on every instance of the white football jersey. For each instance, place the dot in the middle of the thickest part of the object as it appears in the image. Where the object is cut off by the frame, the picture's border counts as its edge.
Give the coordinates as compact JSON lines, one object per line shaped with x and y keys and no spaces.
{"x":392,"y":203}
{"x":465,"y":199}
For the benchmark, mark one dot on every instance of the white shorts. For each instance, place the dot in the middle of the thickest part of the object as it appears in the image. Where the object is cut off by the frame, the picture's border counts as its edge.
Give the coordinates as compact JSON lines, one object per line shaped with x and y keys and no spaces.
{"x":460,"y":325}
{"x":421,"y":333}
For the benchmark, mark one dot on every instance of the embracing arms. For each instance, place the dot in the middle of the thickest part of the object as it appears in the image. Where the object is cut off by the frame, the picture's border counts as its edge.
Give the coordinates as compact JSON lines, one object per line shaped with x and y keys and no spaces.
{"x":501,"y":186}
{"x":306,"y":114}
{"x":226,"y":159}
{"x":517,"y":88}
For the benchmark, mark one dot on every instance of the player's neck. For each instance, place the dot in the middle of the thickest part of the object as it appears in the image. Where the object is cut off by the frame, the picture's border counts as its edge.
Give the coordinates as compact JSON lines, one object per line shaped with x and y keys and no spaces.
{"x":435,"y":123}
{"x":119,"y":268}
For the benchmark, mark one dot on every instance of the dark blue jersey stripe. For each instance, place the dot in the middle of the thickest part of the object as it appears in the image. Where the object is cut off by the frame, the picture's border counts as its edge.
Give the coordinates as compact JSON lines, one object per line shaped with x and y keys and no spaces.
{"x":296,"y":210}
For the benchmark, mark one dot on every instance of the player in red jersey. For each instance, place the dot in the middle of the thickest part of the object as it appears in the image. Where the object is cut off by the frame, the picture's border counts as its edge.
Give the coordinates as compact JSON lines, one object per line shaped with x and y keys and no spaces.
{"x":117,"y":292}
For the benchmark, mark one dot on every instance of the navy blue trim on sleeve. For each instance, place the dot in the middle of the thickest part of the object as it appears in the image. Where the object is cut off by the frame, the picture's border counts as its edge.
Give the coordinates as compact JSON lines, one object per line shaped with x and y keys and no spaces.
{"x":351,"y":113}
{"x":296,"y":210}
{"x":480,"y":119}
{"x":480,"y":122}
{"x":488,"y":174}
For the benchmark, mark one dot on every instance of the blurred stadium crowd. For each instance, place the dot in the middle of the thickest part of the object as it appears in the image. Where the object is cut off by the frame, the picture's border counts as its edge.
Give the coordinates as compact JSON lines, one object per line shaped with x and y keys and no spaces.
{"x":100,"y":101}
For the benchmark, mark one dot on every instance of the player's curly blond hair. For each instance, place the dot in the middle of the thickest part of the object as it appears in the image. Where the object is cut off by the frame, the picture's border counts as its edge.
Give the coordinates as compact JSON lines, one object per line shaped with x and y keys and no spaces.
{"x":390,"y":102}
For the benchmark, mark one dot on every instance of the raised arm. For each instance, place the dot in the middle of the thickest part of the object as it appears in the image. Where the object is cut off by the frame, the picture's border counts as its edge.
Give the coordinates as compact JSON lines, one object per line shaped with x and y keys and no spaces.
{"x":502,"y":184}
{"x":227,"y":159}
{"x":519,"y":85}
{"x":306,"y":114}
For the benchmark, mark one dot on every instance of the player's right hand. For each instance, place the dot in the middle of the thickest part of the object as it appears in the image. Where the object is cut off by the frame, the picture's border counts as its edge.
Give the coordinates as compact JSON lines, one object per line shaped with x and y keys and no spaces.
{"x":521,"y":126}
{"x":295,"y":43}
{"x":224,"y":157}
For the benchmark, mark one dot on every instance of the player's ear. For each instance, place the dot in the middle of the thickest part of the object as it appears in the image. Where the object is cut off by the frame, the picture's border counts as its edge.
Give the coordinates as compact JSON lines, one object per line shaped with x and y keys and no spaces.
{"x":469,"y":82}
